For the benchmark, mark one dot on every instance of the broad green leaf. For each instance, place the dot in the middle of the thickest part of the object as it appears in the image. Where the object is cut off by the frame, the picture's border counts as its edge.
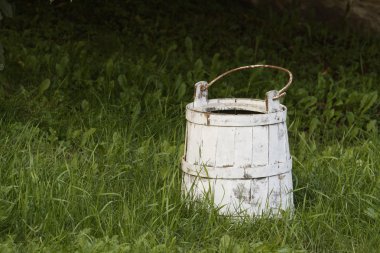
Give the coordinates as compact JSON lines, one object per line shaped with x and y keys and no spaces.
{"x":60,"y":69}
{"x":215,"y":64}
{"x":354,"y":132}
{"x":372,"y":126}
{"x":225,"y":243}
{"x":314,"y":124}
{"x":85,"y":105}
{"x":122,"y":80}
{"x":109,"y":67}
{"x":181,"y":90}
{"x":308,"y":102}
{"x":372,"y":213}
{"x":45,"y":84}
{"x":350,"y":118}
{"x":62,"y":65}
{"x":367,"y":102}
{"x":198,"y":69}
{"x":86,"y":136}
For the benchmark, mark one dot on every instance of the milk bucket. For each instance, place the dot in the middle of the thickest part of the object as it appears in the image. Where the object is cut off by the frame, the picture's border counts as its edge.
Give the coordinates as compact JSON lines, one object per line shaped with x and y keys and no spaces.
{"x":237,"y":152}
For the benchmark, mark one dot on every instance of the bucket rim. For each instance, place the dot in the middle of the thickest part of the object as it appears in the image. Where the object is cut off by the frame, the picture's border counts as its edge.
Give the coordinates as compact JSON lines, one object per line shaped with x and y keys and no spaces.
{"x":204,"y":115}
{"x":250,"y":104}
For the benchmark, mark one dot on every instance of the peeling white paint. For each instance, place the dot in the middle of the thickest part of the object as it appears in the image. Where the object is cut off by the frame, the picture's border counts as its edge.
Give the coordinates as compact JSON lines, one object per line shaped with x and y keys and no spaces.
{"x":241,"y":160}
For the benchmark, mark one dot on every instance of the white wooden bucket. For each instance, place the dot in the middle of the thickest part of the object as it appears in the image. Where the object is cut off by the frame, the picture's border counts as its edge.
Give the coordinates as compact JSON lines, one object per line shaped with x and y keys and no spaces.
{"x":237,"y":152}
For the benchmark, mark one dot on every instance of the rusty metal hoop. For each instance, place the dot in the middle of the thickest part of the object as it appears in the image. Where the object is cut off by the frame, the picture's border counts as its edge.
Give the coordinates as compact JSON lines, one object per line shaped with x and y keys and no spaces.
{"x":281,"y":92}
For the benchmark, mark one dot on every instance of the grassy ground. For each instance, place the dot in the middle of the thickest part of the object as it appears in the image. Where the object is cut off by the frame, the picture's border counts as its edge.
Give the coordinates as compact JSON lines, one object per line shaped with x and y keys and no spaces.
{"x":92,"y":128}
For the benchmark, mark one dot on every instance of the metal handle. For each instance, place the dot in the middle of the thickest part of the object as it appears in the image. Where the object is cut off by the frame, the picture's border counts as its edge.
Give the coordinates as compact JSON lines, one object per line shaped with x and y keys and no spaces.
{"x":281,"y":92}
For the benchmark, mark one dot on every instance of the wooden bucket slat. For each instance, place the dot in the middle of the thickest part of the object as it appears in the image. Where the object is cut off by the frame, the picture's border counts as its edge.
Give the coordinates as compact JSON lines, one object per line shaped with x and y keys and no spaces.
{"x":243,"y":147}
{"x":259,"y":146}
{"x":209,"y":143}
{"x":225,"y":149}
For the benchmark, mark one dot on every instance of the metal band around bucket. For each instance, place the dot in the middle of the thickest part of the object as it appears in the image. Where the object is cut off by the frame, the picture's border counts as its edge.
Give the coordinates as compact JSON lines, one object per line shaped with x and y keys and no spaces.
{"x":236,"y":172}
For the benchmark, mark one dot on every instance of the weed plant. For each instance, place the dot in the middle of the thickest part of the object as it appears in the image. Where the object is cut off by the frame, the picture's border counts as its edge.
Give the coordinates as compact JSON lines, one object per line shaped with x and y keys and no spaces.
{"x":92,"y":129}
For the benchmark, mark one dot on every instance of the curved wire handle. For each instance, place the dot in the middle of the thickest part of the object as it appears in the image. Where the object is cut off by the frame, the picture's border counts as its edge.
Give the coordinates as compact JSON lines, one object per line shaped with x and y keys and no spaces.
{"x":281,"y":92}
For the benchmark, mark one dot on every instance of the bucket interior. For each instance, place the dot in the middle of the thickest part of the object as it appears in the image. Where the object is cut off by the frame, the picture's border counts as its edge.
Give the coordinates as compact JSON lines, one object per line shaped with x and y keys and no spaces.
{"x":232,"y":106}
{"x":233,"y":111}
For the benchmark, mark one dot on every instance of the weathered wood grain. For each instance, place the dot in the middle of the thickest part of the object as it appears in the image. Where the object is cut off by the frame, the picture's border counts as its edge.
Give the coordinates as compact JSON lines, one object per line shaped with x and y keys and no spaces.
{"x":241,"y":161}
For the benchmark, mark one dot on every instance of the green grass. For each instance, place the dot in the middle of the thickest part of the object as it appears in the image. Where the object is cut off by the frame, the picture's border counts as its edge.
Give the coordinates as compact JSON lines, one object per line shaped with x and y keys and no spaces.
{"x":92,"y":101}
